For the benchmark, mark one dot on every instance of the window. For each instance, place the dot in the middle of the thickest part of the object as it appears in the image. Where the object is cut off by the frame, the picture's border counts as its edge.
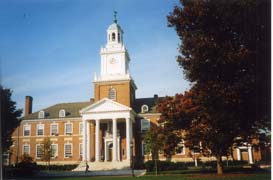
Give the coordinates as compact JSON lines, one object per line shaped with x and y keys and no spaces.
{"x":81,"y":128}
{"x":39,"y":151}
{"x":26,"y":149}
{"x":67,"y":150}
{"x":145,"y":124}
{"x":80,"y":150}
{"x":41,"y":115}
{"x":180,"y":149}
{"x":144,"y":108}
{"x":118,"y":37}
{"x":62,"y":113}
{"x":40,"y":129}
{"x":112,"y":93}
{"x":26,"y":131}
{"x":113,"y":36}
{"x":54,"y":148}
{"x":68,"y":128}
{"x":54,"y":129}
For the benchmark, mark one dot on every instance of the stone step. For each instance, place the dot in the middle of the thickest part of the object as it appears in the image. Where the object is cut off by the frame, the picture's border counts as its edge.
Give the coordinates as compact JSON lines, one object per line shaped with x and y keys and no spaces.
{"x":98,"y":166}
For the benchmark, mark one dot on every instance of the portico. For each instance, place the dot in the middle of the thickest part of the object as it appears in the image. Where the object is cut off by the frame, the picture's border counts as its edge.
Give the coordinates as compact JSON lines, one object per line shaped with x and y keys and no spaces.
{"x":108,"y":113}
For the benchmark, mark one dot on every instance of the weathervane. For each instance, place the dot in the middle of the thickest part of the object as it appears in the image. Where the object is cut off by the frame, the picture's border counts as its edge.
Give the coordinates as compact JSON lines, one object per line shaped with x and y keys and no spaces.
{"x":115,"y":17}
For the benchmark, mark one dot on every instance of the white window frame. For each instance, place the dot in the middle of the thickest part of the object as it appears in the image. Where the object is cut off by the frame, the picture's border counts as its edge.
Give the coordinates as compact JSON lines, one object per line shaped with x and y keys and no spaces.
{"x":81,"y":128}
{"x":65,"y":128}
{"x":55,"y":154}
{"x":71,"y":150}
{"x":41,"y":114}
{"x":36,"y":154}
{"x":51,"y":133}
{"x":141,"y":124}
{"x":23,"y":149}
{"x":144,"y":108}
{"x":112,"y":94}
{"x":37,"y":129}
{"x":26,"y":125}
{"x":62,"y":113}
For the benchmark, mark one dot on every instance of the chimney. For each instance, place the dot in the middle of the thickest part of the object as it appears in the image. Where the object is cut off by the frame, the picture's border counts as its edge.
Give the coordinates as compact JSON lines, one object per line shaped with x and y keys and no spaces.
{"x":28,"y":105}
{"x":156,"y":98}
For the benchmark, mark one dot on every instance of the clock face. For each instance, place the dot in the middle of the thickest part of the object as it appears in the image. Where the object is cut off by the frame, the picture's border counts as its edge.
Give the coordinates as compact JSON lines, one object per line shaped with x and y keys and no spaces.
{"x":113,"y":61}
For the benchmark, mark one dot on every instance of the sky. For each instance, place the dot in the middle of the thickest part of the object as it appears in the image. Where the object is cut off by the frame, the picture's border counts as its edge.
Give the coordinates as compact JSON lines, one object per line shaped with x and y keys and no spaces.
{"x":49,"y":49}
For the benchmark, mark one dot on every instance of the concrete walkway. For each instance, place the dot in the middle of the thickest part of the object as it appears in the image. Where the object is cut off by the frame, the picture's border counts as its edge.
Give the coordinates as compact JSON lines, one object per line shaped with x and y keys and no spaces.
{"x":125,"y":172}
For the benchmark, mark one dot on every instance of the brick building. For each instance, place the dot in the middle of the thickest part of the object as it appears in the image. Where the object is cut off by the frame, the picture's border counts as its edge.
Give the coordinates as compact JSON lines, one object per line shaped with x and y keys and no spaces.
{"x":106,"y":131}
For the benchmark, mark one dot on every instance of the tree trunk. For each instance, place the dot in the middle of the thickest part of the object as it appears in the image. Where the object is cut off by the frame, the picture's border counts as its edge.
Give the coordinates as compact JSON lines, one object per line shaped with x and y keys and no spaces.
{"x":219,"y":164}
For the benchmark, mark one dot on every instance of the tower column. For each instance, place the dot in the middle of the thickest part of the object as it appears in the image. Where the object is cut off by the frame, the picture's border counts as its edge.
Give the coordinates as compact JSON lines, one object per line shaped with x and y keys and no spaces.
{"x":238,"y":154}
{"x":250,"y":158}
{"x":114,"y":140}
{"x":97,"y":143}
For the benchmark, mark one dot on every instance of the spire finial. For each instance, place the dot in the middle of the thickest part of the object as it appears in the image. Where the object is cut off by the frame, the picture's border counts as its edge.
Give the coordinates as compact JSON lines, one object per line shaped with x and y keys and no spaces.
{"x":115,"y":17}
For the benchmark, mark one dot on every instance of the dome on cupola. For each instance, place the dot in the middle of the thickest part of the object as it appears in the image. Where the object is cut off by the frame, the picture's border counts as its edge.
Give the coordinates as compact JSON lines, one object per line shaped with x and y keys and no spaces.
{"x":114,"y":26}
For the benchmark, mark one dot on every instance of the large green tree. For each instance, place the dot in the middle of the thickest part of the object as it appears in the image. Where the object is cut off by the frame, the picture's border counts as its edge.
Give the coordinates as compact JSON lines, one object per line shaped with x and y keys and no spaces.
{"x":9,"y":118}
{"x":225,"y":53}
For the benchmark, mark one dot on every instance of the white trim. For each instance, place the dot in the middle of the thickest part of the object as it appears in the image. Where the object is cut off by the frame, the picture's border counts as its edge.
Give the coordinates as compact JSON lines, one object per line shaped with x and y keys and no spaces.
{"x":57,"y":133}
{"x":36,"y":153}
{"x":71,"y":150}
{"x":59,"y":119}
{"x":37,"y":127}
{"x":144,"y":108}
{"x":81,"y":128}
{"x":65,"y":130}
{"x":62,"y":113}
{"x":41,"y":114}
{"x":57,"y":150}
{"x":25,"y":125}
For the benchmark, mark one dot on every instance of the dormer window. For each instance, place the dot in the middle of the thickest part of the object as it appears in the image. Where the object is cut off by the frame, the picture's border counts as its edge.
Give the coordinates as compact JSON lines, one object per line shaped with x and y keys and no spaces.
{"x":144,"y":108}
{"x":113,"y":36}
{"x":62,"y":113}
{"x":112,"y":94}
{"x":41,"y":114}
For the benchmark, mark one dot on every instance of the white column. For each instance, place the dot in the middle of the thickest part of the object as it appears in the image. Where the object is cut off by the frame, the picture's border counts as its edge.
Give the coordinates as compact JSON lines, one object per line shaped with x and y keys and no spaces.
{"x":84,"y":143}
{"x":238,"y":154}
{"x":88,"y":140}
{"x":114,"y":140}
{"x":105,"y":151}
{"x":128,"y":139}
{"x":97,"y":143}
{"x":250,"y":158}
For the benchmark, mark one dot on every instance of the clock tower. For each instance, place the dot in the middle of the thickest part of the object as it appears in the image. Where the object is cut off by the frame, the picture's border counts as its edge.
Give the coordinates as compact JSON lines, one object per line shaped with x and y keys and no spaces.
{"x":115,"y":81}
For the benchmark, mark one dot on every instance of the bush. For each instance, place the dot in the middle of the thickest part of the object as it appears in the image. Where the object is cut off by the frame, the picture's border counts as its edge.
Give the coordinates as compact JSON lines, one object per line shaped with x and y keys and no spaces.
{"x":66,"y":167}
{"x":26,"y":167}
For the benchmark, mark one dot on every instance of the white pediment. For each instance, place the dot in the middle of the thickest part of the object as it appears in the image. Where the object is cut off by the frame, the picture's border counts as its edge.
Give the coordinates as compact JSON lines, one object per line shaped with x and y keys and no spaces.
{"x":105,"y":105}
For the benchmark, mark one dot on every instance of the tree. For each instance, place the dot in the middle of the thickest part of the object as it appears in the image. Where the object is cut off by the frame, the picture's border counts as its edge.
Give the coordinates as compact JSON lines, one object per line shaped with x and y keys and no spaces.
{"x":9,"y":118}
{"x":225,"y":53}
{"x":47,"y":151}
{"x":154,"y":140}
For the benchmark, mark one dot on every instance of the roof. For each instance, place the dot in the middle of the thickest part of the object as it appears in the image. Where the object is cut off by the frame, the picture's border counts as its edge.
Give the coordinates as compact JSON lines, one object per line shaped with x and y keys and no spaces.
{"x":150,"y":102}
{"x":52,"y":112}
{"x":114,"y":26}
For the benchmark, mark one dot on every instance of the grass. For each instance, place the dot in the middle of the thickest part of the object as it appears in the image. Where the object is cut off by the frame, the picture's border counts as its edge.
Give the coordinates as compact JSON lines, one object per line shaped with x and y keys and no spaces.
{"x":181,"y":177}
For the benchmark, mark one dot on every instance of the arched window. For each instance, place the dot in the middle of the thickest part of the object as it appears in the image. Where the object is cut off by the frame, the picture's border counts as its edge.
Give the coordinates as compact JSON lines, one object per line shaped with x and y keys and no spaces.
{"x":41,"y":114}
{"x":144,"y":108}
{"x":112,"y":94}
{"x":62,"y":113}
{"x":113,"y":36}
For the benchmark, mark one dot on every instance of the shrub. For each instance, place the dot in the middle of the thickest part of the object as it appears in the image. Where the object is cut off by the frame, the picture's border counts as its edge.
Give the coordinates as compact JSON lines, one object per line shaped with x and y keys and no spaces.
{"x":26,"y":167}
{"x":66,"y":167}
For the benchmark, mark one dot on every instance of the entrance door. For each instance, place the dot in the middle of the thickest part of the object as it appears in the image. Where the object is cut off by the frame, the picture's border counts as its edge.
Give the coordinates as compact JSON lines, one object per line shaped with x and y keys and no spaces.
{"x":110,"y":152}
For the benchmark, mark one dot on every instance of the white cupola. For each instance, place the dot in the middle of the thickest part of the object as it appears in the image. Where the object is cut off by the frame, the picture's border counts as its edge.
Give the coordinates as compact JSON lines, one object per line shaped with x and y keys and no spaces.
{"x":114,"y":56}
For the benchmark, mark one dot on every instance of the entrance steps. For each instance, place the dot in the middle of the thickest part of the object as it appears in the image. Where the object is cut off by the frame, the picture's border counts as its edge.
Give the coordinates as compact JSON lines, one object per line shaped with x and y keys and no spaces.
{"x":99,"y":166}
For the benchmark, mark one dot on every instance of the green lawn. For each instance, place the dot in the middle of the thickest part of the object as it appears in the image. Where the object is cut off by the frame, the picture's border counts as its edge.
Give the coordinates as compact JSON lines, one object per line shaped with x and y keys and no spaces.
{"x":180,"y":177}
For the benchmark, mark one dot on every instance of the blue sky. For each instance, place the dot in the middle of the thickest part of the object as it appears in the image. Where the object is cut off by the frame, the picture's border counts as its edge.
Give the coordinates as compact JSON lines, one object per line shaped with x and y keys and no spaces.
{"x":49,"y":49}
